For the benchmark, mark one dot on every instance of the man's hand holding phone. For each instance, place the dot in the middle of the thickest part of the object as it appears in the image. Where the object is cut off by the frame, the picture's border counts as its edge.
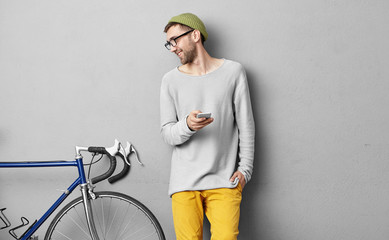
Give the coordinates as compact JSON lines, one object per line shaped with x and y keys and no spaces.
{"x":196,"y":123}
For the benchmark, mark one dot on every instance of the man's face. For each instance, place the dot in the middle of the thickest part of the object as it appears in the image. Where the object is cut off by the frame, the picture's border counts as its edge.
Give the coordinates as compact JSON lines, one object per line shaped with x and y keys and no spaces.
{"x":185,"y":48}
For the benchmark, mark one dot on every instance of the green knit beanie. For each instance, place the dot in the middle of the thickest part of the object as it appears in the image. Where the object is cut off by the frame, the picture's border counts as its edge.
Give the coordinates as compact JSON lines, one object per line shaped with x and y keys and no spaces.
{"x":192,"y":21}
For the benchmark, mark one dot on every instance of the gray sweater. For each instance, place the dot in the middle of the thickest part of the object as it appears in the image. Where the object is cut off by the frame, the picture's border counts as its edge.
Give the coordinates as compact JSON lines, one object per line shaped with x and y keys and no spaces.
{"x":206,"y":159}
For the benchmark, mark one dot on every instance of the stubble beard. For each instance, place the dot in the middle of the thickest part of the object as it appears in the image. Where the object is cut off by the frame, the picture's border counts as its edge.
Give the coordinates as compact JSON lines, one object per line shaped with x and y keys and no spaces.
{"x":189,"y":55}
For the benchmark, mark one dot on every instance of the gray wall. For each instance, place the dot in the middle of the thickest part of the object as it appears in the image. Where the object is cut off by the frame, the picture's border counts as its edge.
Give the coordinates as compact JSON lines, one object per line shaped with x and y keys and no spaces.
{"x":87,"y":72}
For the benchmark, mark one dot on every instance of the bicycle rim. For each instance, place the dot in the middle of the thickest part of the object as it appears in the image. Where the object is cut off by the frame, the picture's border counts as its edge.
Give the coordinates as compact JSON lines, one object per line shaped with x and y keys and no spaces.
{"x":115,"y":215}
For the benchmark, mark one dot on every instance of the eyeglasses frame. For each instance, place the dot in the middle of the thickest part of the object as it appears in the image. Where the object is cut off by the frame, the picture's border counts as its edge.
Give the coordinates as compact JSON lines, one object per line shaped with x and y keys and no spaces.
{"x":169,"y":44}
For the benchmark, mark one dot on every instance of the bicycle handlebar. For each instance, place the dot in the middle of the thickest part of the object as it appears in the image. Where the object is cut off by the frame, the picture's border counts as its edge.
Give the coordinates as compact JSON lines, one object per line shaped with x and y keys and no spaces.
{"x":112,"y":164}
{"x":124,"y":154}
{"x":123,"y":173}
{"x":111,"y":152}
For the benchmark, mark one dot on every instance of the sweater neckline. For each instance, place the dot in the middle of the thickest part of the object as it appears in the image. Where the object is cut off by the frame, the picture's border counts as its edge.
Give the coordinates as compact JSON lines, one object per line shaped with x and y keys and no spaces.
{"x":205,"y":75}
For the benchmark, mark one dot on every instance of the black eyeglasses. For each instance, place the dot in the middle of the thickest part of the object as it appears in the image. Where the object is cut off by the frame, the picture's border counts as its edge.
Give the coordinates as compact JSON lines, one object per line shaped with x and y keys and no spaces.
{"x":172,"y":42}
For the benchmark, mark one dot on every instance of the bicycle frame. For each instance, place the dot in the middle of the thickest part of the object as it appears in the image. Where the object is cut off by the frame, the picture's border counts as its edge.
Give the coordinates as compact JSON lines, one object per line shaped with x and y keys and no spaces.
{"x":81,"y":180}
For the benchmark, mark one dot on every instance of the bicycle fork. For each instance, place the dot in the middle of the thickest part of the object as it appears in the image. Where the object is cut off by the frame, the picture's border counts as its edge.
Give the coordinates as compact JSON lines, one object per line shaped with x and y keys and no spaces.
{"x":89,"y":212}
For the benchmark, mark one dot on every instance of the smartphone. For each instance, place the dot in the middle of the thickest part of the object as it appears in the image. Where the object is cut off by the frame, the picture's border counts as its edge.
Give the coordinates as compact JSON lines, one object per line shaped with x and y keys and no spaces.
{"x":203,"y":115}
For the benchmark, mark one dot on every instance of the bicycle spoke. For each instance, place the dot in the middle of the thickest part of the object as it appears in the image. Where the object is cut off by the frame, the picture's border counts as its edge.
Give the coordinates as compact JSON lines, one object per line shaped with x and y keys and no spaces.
{"x":128,"y":224}
{"x":122,"y":222}
{"x":115,"y":217}
{"x":109,"y":213}
{"x":82,"y":218}
{"x":135,"y":232}
{"x":148,"y":236}
{"x":78,"y":225}
{"x":63,"y":235}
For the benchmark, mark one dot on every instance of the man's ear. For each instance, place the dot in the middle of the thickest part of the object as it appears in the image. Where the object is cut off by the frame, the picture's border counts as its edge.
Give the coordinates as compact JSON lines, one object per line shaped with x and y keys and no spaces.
{"x":196,"y":35}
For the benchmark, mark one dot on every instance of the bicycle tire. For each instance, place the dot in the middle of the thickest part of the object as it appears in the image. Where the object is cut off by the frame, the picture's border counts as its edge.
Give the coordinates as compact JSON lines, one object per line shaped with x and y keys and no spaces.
{"x":117,"y":217}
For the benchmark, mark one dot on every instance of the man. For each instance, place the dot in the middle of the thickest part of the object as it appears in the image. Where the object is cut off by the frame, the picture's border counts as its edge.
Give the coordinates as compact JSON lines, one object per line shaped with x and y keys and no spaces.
{"x":204,"y":177}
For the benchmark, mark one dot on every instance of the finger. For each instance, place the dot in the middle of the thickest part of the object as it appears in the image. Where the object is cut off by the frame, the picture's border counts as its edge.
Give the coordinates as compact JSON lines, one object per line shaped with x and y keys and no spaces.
{"x":243,"y":182}
{"x":210,"y":120}
{"x":197,"y":126}
{"x":201,"y":118}
{"x":240,"y":180}
{"x":238,"y":175}
{"x":201,"y":124}
{"x":205,"y":121}
{"x":195,"y":112}
{"x":192,"y":115}
{"x":235,"y":175}
{"x":198,"y":120}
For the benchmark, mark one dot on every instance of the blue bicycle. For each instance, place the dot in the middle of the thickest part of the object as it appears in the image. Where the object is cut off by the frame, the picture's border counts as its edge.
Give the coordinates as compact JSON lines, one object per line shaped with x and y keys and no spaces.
{"x":93,"y":215}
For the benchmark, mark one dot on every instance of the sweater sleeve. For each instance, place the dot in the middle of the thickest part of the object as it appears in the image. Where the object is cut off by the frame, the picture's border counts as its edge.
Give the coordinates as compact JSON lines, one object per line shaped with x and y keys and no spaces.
{"x":246,"y":126}
{"x":174,"y":131}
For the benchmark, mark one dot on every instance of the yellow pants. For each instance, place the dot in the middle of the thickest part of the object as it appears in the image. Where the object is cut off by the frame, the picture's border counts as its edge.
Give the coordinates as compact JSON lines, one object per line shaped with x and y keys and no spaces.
{"x":221,"y":206}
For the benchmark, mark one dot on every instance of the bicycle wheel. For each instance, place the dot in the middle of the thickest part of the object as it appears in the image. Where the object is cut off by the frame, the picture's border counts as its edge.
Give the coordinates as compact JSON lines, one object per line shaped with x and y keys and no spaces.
{"x":116,"y":217}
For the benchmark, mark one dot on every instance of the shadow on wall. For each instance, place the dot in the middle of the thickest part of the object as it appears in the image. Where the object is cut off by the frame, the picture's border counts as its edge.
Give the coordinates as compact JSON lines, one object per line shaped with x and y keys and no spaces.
{"x":251,"y":219}
{"x":212,"y":45}
{"x":250,"y":222}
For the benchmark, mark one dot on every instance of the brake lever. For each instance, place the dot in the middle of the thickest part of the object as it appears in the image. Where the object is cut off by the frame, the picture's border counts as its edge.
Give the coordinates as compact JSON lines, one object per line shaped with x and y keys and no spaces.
{"x":123,"y":154}
{"x":115,"y":148}
{"x":130,"y":149}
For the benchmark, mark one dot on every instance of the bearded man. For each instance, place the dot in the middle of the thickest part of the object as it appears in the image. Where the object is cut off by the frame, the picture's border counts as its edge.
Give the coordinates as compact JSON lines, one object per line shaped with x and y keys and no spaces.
{"x":212,"y":157}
